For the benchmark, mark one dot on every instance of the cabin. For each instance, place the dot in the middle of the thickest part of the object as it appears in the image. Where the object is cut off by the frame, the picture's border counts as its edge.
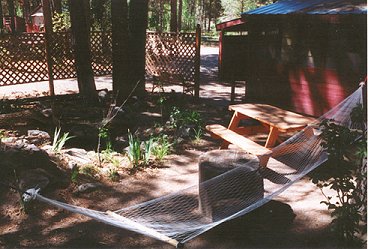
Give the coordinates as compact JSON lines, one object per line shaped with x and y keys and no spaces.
{"x":305,"y":56}
{"x":36,"y":23}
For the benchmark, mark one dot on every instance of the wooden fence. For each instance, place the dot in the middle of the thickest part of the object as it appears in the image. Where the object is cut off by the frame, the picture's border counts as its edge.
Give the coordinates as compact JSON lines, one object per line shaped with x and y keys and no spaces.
{"x":23,"y":58}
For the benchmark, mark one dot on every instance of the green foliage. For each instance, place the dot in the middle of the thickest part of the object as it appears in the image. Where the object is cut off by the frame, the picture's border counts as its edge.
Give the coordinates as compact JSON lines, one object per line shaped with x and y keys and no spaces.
{"x":148,"y":145}
{"x":89,"y":170}
{"x":74,"y":174}
{"x":134,"y":150}
{"x":60,"y":22}
{"x":2,"y":134}
{"x":139,"y":155}
{"x":113,"y":174}
{"x":180,"y":118}
{"x":101,"y":15}
{"x":233,"y":8}
{"x":187,"y":119}
{"x":7,"y":106}
{"x":198,"y":133}
{"x":59,"y":141}
{"x":346,"y":149}
{"x":161,"y":147}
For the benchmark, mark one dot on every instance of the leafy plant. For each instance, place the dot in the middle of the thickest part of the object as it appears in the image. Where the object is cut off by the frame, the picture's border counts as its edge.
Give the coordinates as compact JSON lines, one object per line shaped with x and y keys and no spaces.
{"x":89,"y":170}
{"x":103,"y":135}
{"x":138,"y":155}
{"x":60,"y":22}
{"x":179,"y":118}
{"x":74,"y":174}
{"x":113,"y":174}
{"x":59,"y":141}
{"x":148,"y":145}
{"x":134,"y":150}
{"x":341,"y":174}
{"x":161,"y":147}
{"x":198,"y":133}
{"x":2,"y":134}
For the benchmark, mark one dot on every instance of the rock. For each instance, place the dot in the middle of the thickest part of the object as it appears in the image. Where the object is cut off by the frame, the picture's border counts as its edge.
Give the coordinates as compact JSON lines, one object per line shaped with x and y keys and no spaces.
{"x":76,"y":152}
{"x":31,"y":148}
{"x":47,"y":112}
{"x":88,"y":187}
{"x":77,"y":156}
{"x":38,"y":133}
{"x":34,"y":178}
{"x":72,"y":165}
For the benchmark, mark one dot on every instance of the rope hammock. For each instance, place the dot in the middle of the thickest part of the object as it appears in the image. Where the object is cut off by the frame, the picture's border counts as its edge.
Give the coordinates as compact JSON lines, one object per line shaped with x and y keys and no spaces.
{"x":179,"y":217}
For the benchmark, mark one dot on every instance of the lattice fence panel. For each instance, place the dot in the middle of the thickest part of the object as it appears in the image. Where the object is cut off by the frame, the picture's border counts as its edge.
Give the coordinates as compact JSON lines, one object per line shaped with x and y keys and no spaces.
{"x":101,"y":51}
{"x":63,"y":61}
{"x":22,"y":59}
{"x":171,"y":53}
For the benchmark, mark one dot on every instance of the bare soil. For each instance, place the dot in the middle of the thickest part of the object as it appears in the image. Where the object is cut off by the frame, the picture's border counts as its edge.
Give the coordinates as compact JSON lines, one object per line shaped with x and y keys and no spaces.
{"x":271,"y":226}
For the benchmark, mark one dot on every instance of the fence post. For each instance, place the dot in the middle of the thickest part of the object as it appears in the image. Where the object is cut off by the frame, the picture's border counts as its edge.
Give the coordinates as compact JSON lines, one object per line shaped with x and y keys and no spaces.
{"x":48,"y":33}
{"x":197,"y":62}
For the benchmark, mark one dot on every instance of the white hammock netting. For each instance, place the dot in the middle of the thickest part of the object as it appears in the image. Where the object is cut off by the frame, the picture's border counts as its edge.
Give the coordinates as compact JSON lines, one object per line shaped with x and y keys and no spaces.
{"x":181,"y":216}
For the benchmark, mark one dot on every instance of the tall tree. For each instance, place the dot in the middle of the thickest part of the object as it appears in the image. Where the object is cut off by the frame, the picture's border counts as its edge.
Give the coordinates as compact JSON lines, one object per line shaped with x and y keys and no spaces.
{"x":1,"y":19}
{"x":138,"y":14}
{"x":56,"y":6}
{"x":180,"y":15}
{"x":11,"y":10}
{"x":129,"y":40}
{"x":81,"y":38}
{"x":120,"y":44}
{"x":173,"y":15}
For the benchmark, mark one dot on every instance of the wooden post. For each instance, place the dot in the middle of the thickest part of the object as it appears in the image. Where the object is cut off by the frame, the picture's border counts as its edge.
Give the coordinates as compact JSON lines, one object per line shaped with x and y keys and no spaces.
{"x":48,"y":32}
{"x":197,"y":63}
{"x":232,"y":94}
{"x":221,"y":40}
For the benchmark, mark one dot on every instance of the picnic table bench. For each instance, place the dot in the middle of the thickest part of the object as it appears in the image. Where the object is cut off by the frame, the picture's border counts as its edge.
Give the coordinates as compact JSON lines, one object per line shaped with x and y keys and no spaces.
{"x":271,"y":120}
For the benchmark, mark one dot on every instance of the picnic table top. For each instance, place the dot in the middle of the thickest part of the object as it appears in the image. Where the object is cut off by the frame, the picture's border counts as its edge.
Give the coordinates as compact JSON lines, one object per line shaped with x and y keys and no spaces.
{"x":283,"y":120}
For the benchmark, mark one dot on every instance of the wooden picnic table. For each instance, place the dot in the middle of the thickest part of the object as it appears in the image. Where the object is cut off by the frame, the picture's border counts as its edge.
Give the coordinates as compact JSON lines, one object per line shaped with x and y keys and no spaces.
{"x":271,"y":119}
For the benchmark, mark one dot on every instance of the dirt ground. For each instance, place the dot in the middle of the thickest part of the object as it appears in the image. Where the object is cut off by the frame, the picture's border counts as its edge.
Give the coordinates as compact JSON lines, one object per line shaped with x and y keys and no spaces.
{"x":272,"y":226}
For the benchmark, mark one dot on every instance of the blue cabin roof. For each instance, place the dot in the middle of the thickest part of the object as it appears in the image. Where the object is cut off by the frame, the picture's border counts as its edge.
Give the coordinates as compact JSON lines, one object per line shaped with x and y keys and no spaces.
{"x":284,"y":7}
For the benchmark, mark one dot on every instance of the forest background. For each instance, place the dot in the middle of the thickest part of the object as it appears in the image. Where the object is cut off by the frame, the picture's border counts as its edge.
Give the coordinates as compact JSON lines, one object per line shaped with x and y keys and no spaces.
{"x":163,"y":15}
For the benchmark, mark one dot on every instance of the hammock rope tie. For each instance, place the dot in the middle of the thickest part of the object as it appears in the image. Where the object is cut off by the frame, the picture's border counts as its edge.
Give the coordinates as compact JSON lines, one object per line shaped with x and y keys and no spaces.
{"x":30,"y":194}
{"x":179,"y":217}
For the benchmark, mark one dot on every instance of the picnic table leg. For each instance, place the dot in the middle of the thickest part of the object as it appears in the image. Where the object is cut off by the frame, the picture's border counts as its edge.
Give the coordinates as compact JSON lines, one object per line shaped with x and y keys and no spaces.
{"x":272,"y":137}
{"x":234,"y":122}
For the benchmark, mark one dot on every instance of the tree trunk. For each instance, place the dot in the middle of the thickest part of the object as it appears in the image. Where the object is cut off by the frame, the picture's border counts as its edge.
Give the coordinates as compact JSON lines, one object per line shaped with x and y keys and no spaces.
{"x":1,"y":19}
{"x":120,"y":40}
{"x":11,"y":11}
{"x":138,"y":13}
{"x":209,"y":15}
{"x":180,"y":14}
{"x":81,"y":41}
{"x":56,"y":5}
{"x":173,"y":16}
{"x":160,"y":16}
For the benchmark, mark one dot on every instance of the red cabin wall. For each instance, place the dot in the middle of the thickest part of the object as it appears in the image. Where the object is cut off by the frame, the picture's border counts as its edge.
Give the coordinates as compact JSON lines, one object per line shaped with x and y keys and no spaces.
{"x":303,"y":64}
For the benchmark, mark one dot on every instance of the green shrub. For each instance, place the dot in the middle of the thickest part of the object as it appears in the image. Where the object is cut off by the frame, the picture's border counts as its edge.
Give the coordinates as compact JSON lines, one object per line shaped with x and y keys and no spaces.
{"x":346,"y":149}
{"x":179,"y":118}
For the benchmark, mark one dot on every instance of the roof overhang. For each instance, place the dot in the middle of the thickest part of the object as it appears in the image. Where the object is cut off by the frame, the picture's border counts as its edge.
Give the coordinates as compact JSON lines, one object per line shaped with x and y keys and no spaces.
{"x":232,"y":25}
